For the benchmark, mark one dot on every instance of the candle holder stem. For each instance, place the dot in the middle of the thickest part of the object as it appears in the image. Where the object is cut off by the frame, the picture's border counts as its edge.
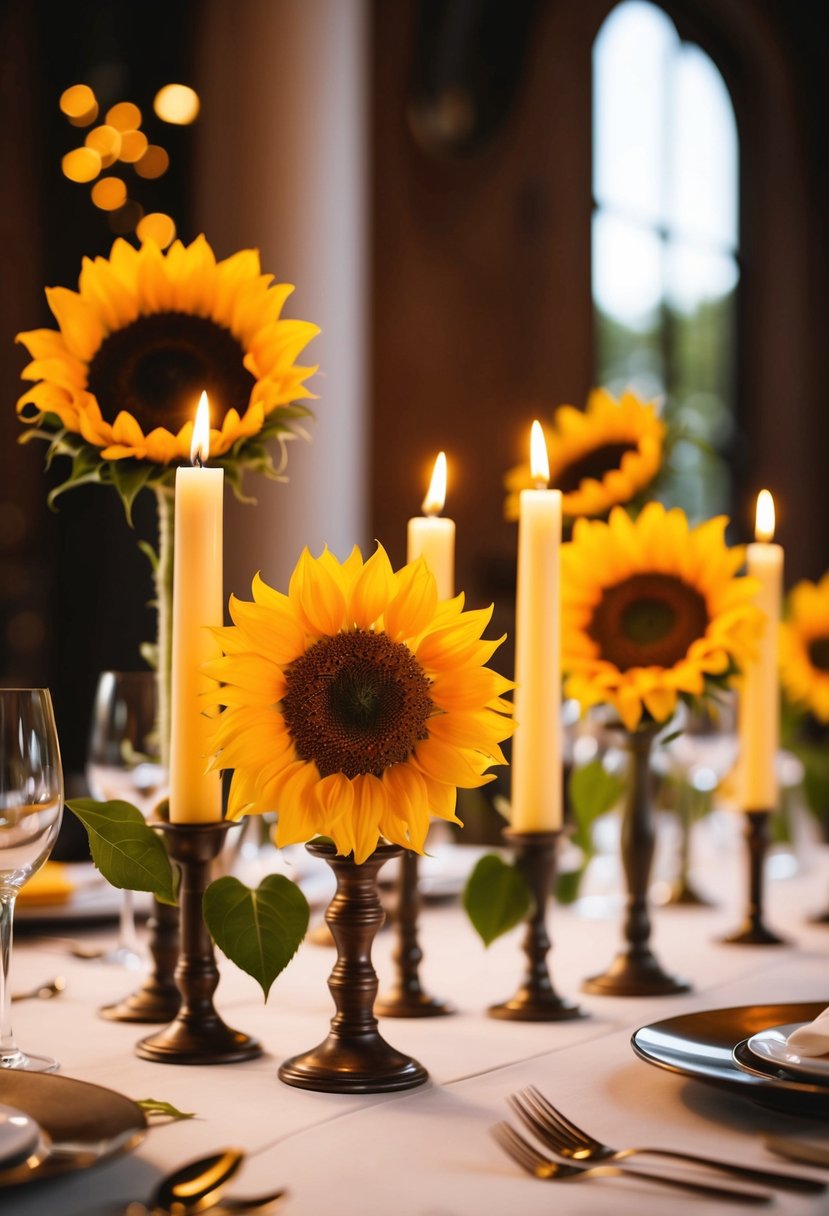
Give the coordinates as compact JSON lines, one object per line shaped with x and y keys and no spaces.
{"x":158,"y":999}
{"x":536,"y":1000}
{"x":754,"y":931}
{"x":354,"y":1058}
{"x":635,"y":971}
{"x":407,"y":998}
{"x":197,"y":1035}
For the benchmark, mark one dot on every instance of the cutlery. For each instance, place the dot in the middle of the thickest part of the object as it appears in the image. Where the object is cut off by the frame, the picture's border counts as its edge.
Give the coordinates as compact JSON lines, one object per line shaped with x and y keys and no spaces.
{"x":565,"y":1138}
{"x":548,"y":1170}
{"x":795,"y":1150}
{"x":196,"y":1186}
{"x":43,"y":992}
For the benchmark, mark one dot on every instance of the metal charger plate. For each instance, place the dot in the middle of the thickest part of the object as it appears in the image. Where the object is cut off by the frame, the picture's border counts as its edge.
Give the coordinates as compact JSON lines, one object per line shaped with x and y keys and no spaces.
{"x":74,"y":1111}
{"x":700,"y":1046}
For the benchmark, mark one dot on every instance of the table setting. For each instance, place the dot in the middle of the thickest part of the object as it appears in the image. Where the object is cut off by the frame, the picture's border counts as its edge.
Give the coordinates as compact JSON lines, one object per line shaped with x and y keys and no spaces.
{"x":279,"y":1026}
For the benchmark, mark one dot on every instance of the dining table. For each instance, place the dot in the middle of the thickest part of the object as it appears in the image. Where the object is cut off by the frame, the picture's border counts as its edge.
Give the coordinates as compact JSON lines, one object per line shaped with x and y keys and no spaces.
{"x":429,"y":1150}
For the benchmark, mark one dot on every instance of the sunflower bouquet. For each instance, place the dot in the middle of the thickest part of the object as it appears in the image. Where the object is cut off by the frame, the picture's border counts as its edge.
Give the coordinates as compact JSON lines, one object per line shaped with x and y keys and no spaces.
{"x":114,"y":387}
{"x":804,"y":678}
{"x":607,"y":455}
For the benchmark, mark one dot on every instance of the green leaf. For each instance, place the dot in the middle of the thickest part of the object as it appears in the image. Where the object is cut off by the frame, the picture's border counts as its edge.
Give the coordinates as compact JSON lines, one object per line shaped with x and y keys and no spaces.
{"x":593,"y":792}
{"x":150,"y":554}
{"x":152,"y":1106}
{"x":125,"y":848}
{"x":567,"y":885}
{"x":129,"y":477}
{"x":260,"y":931}
{"x":496,"y":898}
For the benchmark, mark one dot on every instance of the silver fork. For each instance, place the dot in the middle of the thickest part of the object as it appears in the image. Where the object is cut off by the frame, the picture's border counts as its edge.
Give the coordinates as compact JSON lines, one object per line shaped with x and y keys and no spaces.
{"x":540,"y":1166}
{"x":563,"y":1136}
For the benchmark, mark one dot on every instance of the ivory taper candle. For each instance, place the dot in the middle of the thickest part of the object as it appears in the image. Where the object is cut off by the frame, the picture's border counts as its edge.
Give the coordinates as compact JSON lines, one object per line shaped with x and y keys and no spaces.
{"x":195,"y":794}
{"x":432,"y":536}
{"x":759,"y":707}
{"x":536,"y":771}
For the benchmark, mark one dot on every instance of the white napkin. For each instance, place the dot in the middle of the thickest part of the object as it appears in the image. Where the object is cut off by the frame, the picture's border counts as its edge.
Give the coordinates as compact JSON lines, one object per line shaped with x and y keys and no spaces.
{"x":811,"y":1039}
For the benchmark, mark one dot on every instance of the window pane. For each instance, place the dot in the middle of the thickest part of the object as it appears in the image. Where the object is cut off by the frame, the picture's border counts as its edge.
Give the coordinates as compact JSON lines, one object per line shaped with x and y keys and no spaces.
{"x":631,"y":57}
{"x":627,"y":295}
{"x":702,"y":196}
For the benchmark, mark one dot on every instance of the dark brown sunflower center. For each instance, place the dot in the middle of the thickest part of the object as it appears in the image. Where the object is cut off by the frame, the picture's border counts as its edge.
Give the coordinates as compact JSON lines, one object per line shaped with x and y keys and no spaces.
{"x":356,"y":703}
{"x":593,"y":464}
{"x":819,"y":653}
{"x":649,"y":620}
{"x":157,"y":366}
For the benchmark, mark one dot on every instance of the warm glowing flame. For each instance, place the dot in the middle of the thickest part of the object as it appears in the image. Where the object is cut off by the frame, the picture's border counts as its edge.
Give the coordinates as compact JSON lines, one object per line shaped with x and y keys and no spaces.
{"x":435,"y":499}
{"x":200,"y":443}
{"x":539,"y":462}
{"x":764,"y":518}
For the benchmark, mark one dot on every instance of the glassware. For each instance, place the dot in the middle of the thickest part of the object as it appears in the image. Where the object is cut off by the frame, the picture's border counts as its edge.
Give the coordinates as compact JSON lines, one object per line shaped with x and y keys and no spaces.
{"x":31,"y":804}
{"x":123,"y":763}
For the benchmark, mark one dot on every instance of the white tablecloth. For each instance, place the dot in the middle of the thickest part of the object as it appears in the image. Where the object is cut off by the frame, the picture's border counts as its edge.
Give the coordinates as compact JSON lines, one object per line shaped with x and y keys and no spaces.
{"x":427,"y":1151}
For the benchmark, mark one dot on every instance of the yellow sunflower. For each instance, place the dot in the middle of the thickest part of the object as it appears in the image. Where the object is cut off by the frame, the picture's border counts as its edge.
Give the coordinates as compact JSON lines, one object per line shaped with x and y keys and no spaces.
{"x":804,"y":648}
{"x":356,"y":704}
{"x":651,"y":611}
{"x":146,"y":332}
{"x":600,"y":457}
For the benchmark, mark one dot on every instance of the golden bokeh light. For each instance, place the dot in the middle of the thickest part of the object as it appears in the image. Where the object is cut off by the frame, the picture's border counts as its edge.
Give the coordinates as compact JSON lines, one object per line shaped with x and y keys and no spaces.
{"x":177,"y":104}
{"x":127,"y":218}
{"x":157,"y":227}
{"x":109,"y":193}
{"x":124,"y":116}
{"x":133,"y":146}
{"x":77,"y":102}
{"x":81,"y":164}
{"x":106,"y":141}
{"x":154,"y":163}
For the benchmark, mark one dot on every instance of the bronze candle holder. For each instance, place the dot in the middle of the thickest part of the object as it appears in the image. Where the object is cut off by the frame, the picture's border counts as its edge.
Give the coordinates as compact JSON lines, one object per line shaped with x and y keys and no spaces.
{"x":536,"y":1000}
{"x":635,"y":971}
{"x":354,"y":1058}
{"x":197,"y":1035}
{"x":754,"y":931}
{"x":407,"y":998}
{"x":158,"y":999}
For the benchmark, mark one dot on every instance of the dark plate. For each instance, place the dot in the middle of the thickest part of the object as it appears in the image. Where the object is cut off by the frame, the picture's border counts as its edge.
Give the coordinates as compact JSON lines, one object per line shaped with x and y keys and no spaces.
{"x":700,"y":1046}
{"x":75,"y":1111}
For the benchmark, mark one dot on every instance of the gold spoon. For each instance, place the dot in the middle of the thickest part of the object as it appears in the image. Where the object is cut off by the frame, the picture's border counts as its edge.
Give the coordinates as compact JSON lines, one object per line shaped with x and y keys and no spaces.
{"x":196,"y":1186}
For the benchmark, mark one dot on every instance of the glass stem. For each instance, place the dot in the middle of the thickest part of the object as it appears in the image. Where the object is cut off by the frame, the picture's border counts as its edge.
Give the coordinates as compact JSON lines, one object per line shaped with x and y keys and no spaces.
{"x":8,"y":1047}
{"x":127,"y":937}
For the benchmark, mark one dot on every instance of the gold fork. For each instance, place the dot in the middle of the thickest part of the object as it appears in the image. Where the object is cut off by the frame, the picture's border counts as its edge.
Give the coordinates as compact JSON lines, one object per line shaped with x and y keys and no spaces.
{"x":563,"y":1136}
{"x":545,"y":1168}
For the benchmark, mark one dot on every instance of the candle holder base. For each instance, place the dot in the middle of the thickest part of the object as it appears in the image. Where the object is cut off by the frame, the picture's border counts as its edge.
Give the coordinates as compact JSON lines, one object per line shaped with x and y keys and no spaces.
{"x":354,"y":1058}
{"x":536,"y":1000}
{"x":197,"y":1035}
{"x":639,"y":975}
{"x":754,"y":931}
{"x":158,"y":999}
{"x":683,"y":894}
{"x":407,"y":997}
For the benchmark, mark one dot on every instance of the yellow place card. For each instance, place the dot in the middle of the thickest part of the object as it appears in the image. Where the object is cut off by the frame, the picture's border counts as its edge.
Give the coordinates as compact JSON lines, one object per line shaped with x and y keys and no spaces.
{"x":50,"y":885}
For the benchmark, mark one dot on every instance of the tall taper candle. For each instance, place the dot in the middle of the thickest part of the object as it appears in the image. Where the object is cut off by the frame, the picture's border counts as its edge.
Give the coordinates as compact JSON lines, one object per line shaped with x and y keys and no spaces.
{"x":759,"y":708}
{"x":432,"y":536}
{"x":536,"y":745}
{"x":195,"y":794}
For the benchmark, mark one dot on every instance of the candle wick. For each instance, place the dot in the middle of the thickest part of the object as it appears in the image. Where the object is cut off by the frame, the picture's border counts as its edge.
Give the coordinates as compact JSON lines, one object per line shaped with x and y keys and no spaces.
{"x":198,"y":460}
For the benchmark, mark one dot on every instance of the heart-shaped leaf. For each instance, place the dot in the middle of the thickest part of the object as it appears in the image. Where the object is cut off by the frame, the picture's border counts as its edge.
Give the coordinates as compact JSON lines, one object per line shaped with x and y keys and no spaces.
{"x":125,"y":849}
{"x":260,"y":931}
{"x":496,"y":897}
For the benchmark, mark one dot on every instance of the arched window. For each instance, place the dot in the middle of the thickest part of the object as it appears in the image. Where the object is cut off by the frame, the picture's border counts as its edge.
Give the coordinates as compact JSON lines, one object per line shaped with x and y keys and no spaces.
{"x":665,"y":267}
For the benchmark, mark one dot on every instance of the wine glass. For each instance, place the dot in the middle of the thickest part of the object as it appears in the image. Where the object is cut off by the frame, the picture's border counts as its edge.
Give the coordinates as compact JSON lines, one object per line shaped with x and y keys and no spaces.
{"x":123,"y":763}
{"x":31,"y":804}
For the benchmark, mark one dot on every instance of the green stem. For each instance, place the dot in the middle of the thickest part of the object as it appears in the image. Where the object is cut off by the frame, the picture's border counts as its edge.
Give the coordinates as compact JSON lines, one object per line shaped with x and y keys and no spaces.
{"x":165,"y":498}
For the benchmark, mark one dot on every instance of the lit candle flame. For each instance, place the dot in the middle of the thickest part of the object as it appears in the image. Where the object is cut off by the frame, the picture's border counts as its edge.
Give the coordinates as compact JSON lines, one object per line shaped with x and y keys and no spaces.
{"x":435,"y":498}
{"x":764,"y":518}
{"x":200,"y":443}
{"x":539,"y":461}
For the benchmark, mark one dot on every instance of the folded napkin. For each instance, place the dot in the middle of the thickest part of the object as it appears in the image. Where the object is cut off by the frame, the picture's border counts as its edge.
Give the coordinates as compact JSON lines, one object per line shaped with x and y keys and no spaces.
{"x":811,"y":1039}
{"x":50,"y":885}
